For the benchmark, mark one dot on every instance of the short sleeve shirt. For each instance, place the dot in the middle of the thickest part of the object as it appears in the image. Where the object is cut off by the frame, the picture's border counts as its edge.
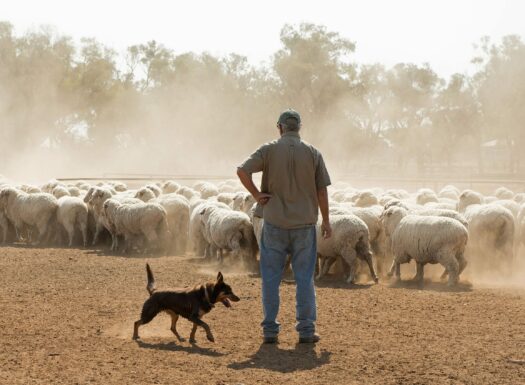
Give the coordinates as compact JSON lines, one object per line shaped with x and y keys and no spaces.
{"x":293,"y":171}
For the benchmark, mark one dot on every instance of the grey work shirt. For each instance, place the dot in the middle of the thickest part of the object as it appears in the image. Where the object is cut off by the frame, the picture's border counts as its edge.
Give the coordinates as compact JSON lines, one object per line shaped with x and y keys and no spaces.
{"x":293,"y":171}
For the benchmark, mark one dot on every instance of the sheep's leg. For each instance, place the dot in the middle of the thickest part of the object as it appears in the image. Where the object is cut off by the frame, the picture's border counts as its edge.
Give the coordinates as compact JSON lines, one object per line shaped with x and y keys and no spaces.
{"x":350,"y":257}
{"x":370,"y":264}
{"x":452,"y":266}
{"x":220,"y":257}
{"x":420,"y":273}
{"x":70,"y":230}
{"x":83,"y":229}
{"x":462,"y":262}
{"x":98,"y":230}
{"x":42,"y":231}
{"x":4,"y":234}
{"x":444,"y":275}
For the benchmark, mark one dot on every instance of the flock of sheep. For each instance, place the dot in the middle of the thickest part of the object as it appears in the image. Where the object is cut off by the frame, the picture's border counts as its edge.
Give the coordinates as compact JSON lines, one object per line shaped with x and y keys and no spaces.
{"x":374,"y":231}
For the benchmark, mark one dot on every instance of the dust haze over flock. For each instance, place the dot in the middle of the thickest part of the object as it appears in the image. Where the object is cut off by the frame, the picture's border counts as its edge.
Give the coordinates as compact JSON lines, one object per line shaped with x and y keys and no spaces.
{"x":71,"y":108}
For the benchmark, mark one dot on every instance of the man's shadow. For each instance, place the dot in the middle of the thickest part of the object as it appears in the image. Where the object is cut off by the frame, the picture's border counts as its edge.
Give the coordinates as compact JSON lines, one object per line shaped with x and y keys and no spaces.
{"x":271,"y":357}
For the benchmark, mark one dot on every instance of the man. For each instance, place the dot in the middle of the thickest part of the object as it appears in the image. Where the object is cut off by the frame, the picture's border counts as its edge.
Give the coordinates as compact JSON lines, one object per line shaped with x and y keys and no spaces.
{"x":293,"y":189}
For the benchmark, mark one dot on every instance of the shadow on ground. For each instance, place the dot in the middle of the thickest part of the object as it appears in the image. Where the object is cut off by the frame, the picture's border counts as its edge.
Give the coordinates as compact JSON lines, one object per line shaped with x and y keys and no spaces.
{"x":271,"y":357}
{"x":174,"y":347}
{"x":431,"y":286}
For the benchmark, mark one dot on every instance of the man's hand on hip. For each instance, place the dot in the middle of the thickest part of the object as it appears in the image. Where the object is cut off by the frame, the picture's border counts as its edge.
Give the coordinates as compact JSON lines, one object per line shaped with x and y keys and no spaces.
{"x":326,"y":229}
{"x":262,"y":198}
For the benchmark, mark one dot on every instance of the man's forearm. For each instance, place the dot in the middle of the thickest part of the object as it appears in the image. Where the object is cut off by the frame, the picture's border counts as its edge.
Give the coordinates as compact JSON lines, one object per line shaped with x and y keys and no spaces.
{"x":247,"y":182}
{"x":322,"y":198}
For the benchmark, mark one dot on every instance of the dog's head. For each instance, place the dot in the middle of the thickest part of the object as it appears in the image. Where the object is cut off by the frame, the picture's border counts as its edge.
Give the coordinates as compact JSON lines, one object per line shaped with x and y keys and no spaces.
{"x":223,"y":292}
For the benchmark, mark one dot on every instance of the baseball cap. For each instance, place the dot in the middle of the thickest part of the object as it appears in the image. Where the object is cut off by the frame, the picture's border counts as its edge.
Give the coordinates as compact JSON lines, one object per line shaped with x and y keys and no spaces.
{"x":287,"y":115}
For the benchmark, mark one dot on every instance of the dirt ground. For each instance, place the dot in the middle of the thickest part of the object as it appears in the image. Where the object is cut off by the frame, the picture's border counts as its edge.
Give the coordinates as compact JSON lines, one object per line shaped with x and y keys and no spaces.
{"x":67,"y":318}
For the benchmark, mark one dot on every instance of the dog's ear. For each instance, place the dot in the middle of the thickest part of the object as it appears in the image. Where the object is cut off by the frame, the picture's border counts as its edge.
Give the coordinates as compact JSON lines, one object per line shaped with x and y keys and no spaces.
{"x":220,"y":278}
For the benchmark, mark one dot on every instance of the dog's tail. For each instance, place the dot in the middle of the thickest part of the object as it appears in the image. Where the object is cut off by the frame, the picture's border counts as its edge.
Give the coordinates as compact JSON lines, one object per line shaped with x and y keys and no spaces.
{"x":151,"y":281}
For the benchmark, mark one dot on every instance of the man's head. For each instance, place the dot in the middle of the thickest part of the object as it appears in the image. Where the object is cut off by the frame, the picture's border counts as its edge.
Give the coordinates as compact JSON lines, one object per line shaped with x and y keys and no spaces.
{"x":289,"y":120}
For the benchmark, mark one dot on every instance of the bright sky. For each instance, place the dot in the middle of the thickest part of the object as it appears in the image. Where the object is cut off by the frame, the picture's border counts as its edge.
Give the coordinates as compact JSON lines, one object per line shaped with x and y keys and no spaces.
{"x":440,"y":32}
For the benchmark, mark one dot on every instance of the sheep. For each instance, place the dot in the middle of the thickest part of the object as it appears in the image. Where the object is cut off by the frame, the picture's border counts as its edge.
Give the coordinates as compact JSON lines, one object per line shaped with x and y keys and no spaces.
{"x":118,"y":186}
{"x":29,"y":189}
{"x":95,"y":197}
{"x":225,"y":229}
{"x":426,"y":195}
{"x":153,"y":187}
{"x":467,"y":198}
{"x":491,"y":230}
{"x":170,"y":186}
{"x":349,"y":241}
{"x":366,"y":199}
{"x":426,"y":239}
{"x":449,"y":192}
{"x":371,"y":217}
{"x":243,"y":201}
{"x":519,"y":198}
{"x":73,"y":212}
{"x":196,"y":227}
{"x":503,"y":193}
{"x":60,"y":191}
{"x":145,"y":194}
{"x":50,"y":185}
{"x":23,"y":209}
{"x":226,"y":198}
{"x":188,"y":193}
{"x":73,"y":191}
{"x":206,"y":189}
{"x":140,"y":219}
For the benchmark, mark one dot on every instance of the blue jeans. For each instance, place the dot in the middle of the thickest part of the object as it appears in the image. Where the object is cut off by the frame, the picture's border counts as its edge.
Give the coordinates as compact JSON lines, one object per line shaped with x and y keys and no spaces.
{"x":276,"y":245}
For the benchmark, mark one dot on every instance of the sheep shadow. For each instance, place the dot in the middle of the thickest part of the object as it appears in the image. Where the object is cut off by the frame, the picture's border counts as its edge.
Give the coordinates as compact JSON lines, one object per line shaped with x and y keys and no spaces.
{"x":174,"y":347}
{"x":273,"y":358}
{"x":430,"y":285}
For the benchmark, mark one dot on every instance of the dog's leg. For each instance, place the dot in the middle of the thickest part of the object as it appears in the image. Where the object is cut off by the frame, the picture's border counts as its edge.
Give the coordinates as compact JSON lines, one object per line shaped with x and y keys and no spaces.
{"x":192,"y":334}
{"x":204,"y":325}
{"x":136,"y":326}
{"x":174,"y":319}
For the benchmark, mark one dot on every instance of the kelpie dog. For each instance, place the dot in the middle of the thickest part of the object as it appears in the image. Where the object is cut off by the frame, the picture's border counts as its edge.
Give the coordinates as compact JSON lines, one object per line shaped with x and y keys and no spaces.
{"x":191,"y":304}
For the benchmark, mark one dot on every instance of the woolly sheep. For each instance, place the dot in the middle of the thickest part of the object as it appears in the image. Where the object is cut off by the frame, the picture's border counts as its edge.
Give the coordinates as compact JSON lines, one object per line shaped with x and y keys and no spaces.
{"x":145,"y":194}
{"x":243,"y":201}
{"x":503,"y":193}
{"x":226,"y":198}
{"x":449,"y":192}
{"x":153,"y":187}
{"x":467,"y":198}
{"x":492,"y":231}
{"x":198,"y":241}
{"x":188,"y":193}
{"x":73,"y":191}
{"x":140,"y":219}
{"x":225,"y":229}
{"x":23,"y":209}
{"x":366,"y":199}
{"x":426,"y":195}
{"x":426,"y":239}
{"x":95,"y":199}
{"x":29,"y":189}
{"x":60,"y":191}
{"x":206,"y":189}
{"x":170,"y":186}
{"x":72,"y":213}
{"x":349,"y":241}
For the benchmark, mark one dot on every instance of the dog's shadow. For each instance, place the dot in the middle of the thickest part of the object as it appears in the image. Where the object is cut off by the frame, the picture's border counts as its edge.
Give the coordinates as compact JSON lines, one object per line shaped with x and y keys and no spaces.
{"x":271,"y":357}
{"x":174,"y":347}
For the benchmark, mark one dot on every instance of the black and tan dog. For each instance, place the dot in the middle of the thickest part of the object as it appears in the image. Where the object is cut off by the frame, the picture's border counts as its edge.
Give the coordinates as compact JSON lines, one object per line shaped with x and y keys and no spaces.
{"x":191,"y":304}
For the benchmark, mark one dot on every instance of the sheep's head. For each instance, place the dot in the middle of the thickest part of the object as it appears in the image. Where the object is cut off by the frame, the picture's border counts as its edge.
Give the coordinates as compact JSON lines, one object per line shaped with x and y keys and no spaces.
{"x":145,"y":194}
{"x":391,"y":217}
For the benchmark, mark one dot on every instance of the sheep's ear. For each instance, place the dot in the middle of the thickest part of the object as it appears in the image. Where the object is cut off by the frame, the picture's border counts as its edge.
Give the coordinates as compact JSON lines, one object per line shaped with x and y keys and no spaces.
{"x":220,"y":278}
{"x":388,"y":214}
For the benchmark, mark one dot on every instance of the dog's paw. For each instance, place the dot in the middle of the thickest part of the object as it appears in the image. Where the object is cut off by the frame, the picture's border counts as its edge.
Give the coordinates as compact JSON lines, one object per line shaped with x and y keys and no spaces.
{"x":210,"y":338}
{"x":182,"y":339}
{"x":193,"y":341}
